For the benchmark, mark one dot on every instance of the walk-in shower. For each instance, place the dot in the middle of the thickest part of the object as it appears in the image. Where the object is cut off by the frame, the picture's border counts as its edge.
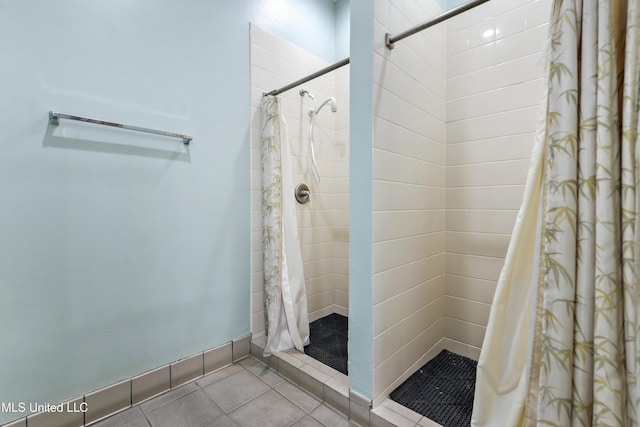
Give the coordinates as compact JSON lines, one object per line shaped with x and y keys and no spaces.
{"x":284,"y":278}
{"x":319,"y":139}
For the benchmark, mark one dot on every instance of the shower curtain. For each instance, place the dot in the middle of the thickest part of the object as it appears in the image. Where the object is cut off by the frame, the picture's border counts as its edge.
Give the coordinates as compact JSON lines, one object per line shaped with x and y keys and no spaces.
{"x":562,"y":346}
{"x":284,"y":287}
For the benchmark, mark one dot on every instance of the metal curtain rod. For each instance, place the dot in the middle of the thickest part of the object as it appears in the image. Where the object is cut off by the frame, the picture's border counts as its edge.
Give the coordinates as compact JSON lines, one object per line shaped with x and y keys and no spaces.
{"x":54,"y":116}
{"x":389,"y":40}
{"x":309,"y":77}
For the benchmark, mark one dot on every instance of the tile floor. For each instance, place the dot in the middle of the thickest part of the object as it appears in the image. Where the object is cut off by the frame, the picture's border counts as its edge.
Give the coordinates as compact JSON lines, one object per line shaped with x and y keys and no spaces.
{"x":246,"y":393}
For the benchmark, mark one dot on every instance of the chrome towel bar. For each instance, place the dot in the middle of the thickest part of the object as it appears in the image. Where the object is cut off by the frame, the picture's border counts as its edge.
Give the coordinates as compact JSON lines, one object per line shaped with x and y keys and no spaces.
{"x":54,"y":116}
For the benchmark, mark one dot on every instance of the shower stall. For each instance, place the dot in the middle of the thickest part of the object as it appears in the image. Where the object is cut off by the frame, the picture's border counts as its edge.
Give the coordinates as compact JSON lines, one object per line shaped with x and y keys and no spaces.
{"x":454,"y":118}
{"x":438,"y":151}
{"x":317,"y":117}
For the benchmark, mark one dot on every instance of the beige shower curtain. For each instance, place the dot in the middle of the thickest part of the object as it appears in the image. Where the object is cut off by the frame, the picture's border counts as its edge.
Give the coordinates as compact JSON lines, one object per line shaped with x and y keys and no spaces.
{"x":563,"y":342}
{"x":284,"y":285}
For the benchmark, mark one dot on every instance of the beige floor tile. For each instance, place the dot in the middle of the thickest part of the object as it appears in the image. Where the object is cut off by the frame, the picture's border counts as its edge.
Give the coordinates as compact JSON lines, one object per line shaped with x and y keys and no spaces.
{"x":299,"y":397}
{"x":195,"y":409}
{"x":236,"y":390}
{"x":269,"y":409}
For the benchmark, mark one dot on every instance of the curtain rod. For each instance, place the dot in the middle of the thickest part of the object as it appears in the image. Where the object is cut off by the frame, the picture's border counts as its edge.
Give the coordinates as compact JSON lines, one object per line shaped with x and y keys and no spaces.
{"x":389,"y":40}
{"x":309,"y":77}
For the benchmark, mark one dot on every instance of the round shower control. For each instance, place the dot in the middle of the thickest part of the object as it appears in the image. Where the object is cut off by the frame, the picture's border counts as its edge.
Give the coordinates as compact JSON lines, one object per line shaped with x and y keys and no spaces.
{"x":302,"y":193}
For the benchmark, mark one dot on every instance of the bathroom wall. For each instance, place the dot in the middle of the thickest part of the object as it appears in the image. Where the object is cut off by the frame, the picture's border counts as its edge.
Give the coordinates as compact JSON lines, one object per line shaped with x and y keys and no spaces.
{"x":122,"y":251}
{"x":494,"y":83}
{"x":455,"y":3}
{"x":323,"y":223}
{"x":360,"y":340}
{"x":343,"y":28}
{"x":408,"y":193}
{"x":313,"y":25}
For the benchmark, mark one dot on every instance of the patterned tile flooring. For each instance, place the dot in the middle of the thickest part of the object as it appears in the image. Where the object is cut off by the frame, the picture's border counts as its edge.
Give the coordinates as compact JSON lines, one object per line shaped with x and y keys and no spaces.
{"x":246,"y":393}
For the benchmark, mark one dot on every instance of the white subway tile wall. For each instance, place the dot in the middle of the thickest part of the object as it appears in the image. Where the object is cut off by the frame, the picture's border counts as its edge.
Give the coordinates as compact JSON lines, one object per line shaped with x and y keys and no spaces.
{"x":494,"y":86}
{"x":323,"y":224}
{"x":408,"y":193}
{"x":454,"y":120}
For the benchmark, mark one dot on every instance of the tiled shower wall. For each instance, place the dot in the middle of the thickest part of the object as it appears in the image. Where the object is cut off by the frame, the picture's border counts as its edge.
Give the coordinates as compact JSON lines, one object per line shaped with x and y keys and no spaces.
{"x":454,"y":118}
{"x":323,"y":223}
{"x":494,"y":85}
{"x":408,"y":193}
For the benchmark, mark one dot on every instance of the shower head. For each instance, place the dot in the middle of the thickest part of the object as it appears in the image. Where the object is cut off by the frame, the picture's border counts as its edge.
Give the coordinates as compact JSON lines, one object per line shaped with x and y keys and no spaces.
{"x":332,"y":103}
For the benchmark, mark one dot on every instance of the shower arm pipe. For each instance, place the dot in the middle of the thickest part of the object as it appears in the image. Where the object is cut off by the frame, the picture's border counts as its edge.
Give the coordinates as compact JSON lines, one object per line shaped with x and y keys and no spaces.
{"x":54,"y":116}
{"x":309,"y":77}
{"x":389,"y":40}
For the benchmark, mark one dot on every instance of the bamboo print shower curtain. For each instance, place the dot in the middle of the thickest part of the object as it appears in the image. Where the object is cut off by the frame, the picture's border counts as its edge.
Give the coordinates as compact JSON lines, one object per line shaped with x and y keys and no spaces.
{"x":284,"y":287}
{"x":563,"y":341}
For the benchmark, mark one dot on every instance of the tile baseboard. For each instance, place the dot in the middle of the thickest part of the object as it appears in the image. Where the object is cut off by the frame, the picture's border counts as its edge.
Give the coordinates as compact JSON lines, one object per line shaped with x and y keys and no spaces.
{"x":114,"y":398}
{"x":150,"y":384}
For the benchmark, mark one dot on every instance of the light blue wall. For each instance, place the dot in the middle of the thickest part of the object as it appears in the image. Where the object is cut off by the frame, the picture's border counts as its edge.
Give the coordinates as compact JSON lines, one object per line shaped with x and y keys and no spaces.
{"x":343,"y":28}
{"x":318,"y":26}
{"x":120,"y":252}
{"x":360,"y":200}
{"x":454,"y":3}
{"x":310,"y":24}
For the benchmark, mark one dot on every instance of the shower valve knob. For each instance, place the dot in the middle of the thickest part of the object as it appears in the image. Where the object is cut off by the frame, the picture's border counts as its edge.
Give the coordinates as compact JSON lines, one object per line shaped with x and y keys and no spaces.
{"x":303,"y":194}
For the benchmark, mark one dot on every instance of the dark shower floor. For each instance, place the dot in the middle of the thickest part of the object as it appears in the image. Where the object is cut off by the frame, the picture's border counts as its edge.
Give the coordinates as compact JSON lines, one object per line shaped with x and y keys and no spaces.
{"x":328,"y":341}
{"x":442,"y":390}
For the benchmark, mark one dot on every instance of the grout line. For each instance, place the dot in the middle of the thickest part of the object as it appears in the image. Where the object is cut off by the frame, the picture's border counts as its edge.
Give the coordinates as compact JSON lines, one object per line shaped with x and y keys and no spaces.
{"x":411,"y":236}
{"x":415,"y":261}
{"x":427,"y":84}
{"x":489,"y":162}
{"x":406,"y":156}
{"x":470,"y":119}
{"x":487,"y":281}
{"x":171,"y":376}
{"x":477,"y":256}
{"x":419,"y":135}
{"x":490,"y":138}
{"x":482,"y":233}
{"x":465,"y":321}
{"x":492,"y":67}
